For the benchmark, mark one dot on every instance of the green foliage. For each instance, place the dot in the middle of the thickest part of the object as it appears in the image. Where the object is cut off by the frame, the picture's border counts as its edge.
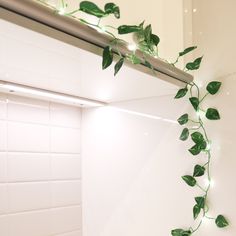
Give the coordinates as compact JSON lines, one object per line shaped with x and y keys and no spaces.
{"x":126,"y":29}
{"x":183,"y":119}
{"x":213,"y":87}
{"x":187,"y":50}
{"x":118,"y":65}
{"x":184,"y":135}
{"x":133,"y":59}
{"x":195,"y":65}
{"x":180,"y":232}
{"x":199,"y":171}
{"x":221,"y":222}
{"x":107,"y":57}
{"x":181,"y":93}
{"x":111,"y":8}
{"x":212,"y":114}
{"x":92,"y":9}
{"x":189,"y":180}
{"x":196,"y":211}
{"x":197,"y":137}
{"x":195,"y":102}
{"x":200,"y":201}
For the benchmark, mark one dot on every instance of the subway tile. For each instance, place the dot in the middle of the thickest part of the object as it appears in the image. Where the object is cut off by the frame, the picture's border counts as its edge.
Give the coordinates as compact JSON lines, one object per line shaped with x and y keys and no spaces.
{"x":66,"y":193}
{"x":74,"y":233}
{"x":3,"y":199}
{"x":28,"y":110}
{"x":28,"y":167}
{"x":3,"y":135}
{"x":28,"y":137}
{"x":30,"y":224}
{"x":65,"y":140}
{"x":66,"y":219}
{"x":2,"y":167}
{"x":28,"y":196}
{"x":63,"y":115}
{"x":3,"y":106}
{"x":4,"y":226}
{"x":65,"y":167}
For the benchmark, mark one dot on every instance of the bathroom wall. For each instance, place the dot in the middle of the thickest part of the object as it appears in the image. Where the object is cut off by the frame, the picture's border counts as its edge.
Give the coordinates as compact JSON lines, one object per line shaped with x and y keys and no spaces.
{"x":215,"y":35}
{"x":40,"y":174}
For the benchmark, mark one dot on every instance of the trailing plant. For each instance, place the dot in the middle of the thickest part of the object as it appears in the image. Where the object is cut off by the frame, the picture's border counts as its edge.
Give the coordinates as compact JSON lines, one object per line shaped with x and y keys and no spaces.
{"x":147,"y":42}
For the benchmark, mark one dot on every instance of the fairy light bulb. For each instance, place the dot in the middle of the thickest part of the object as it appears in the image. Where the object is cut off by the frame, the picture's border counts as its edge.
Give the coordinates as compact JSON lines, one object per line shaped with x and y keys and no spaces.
{"x":132,"y":47}
{"x":101,"y":30}
{"x":209,"y":182}
{"x":62,"y":11}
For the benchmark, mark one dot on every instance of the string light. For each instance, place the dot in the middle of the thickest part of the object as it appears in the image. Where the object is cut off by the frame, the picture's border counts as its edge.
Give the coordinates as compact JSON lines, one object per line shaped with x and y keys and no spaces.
{"x":62,"y":11}
{"x":132,"y":47}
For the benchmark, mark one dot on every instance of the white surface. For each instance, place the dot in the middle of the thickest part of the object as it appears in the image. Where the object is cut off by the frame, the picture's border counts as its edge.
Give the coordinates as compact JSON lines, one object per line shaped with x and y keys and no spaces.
{"x":64,"y":68}
{"x":40,"y":168}
{"x":215,"y":34}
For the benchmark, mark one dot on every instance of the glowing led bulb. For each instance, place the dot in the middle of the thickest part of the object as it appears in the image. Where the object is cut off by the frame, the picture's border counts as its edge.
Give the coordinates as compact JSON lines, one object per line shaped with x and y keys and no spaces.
{"x":62,"y":11}
{"x":209,"y":182}
{"x":132,"y":47}
{"x":208,"y":147}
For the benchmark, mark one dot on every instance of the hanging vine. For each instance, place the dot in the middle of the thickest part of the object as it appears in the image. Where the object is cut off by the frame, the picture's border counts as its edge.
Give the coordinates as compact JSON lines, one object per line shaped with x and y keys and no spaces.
{"x":147,"y":43}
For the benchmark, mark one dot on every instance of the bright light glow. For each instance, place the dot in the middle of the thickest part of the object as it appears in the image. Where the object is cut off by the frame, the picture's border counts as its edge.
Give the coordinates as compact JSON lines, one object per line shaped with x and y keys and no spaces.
{"x":208,"y":147}
{"x":62,"y":11}
{"x":101,"y":30}
{"x":132,"y":47}
{"x":200,"y":113}
{"x":40,"y":93}
{"x":143,"y":115}
{"x":211,"y":183}
{"x":194,"y":10}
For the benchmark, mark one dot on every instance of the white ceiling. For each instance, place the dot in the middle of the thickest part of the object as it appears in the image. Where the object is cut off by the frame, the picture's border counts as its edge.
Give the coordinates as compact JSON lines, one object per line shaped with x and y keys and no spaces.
{"x":30,"y":58}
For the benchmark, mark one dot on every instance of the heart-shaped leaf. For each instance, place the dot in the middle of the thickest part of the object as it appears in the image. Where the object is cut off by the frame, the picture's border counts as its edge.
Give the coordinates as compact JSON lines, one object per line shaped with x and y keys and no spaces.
{"x":213,"y":87}
{"x":107,"y":57}
{"x":196,"y":211}
{"x":184,"y":135}
{"x":191,"y":181}
{"x":198,"y":171}
{"x":111,"y":8}
{"x":155,"y":39}
{"x":181,"y":93}
{"x":187,"y":50}
{"x":92,"y":9}
{"x":180,"y":232}
{"x":197,"y":137}
{"x":221,"y":222}
{"x":200,"y":201}
{"x":183,"y":119}
{"x":212,"y":114}
{"x":126,"y":29}
{"x":118,"y":65}
{"x":195,"y":65}
{"x":195,"y":150}
{"x":195,"y":102}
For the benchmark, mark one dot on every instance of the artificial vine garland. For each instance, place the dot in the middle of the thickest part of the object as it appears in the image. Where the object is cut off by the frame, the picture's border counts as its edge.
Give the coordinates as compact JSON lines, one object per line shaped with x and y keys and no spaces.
{"x":147,"y":43}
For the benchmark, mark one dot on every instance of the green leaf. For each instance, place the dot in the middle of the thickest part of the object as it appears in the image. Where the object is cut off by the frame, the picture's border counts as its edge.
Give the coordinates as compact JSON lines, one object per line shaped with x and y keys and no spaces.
{"x":199,"y":171}
{"x":221,"y":222}
{"x":133,"y":59}
{"x":195,"y":102}
{"x":213,"y":87}
{"x":197,"y":137}
{"x":212,"y":114}
{"x":191,"y":181}
{"x":195,"y":64}
{"x":148,"y":33}
{"x":200,"y":201}
{"x":92,"y":9}
{"x":107,"y":57}
{"x":111,"y":8}
{"x":187,"y":50}
{"x":195,"y":150}
{"x":126,"y":29}
{"x":196,"y":211}
{"x":118,"y":65}
{"x":180,"y":232}
{"x":184,"y":135}
{"x":148,"y":64}
{"x":155,"y":39}
{"x":181,"y":93}
{"x":183,"y":119}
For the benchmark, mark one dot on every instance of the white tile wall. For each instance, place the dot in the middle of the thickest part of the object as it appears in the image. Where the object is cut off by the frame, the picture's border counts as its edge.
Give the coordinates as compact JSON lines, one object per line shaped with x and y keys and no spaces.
{"x":40,"y":168}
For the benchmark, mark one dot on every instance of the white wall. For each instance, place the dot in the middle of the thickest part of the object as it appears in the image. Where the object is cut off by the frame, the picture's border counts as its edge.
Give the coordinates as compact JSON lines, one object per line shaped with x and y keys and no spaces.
{"x":40,"y":174}
{"x":215,"y":35}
